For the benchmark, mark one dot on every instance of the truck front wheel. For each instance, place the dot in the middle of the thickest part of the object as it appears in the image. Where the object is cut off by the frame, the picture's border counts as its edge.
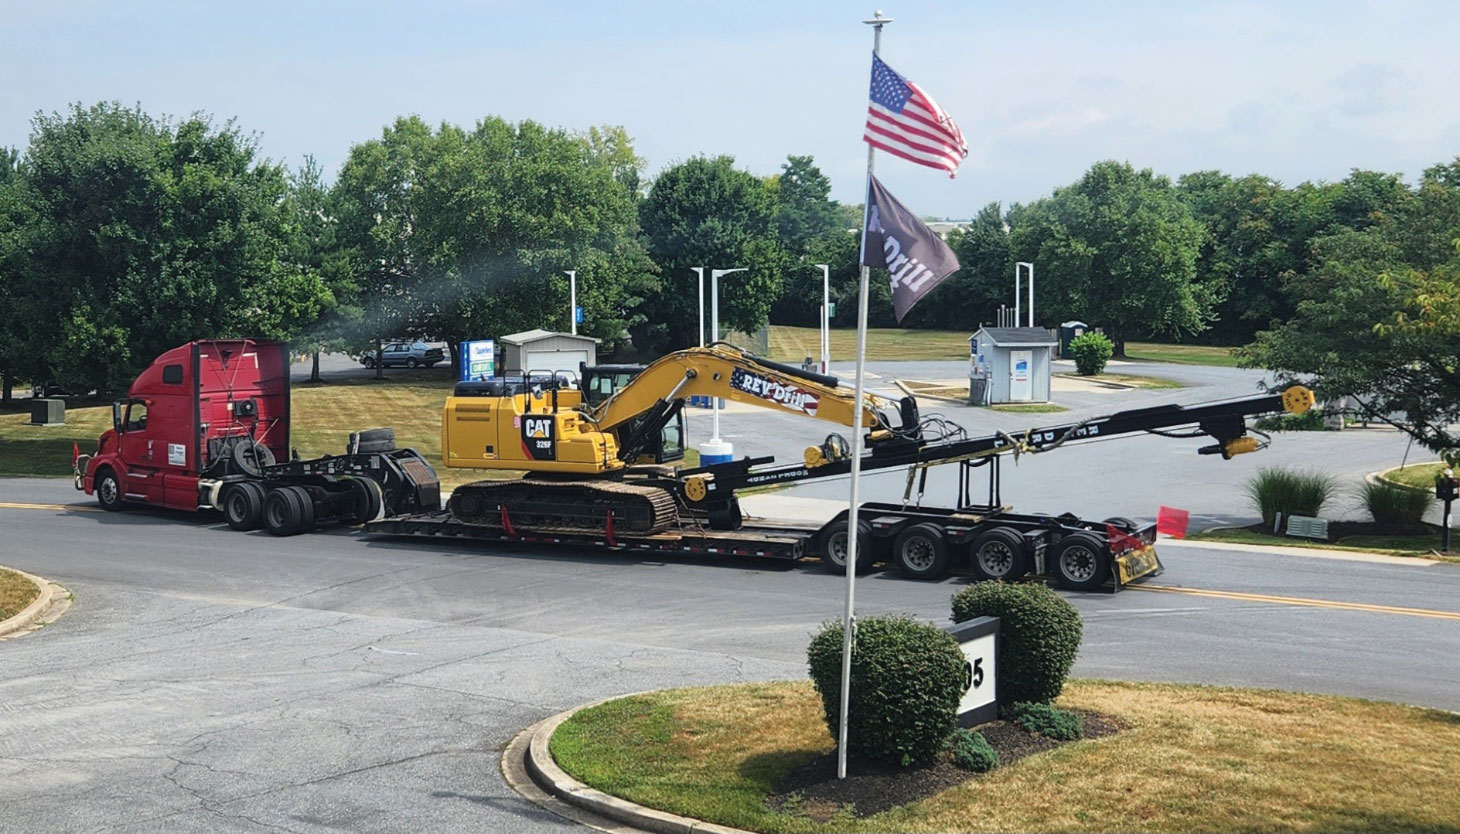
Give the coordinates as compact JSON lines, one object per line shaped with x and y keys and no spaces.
{"x":108,"y":490}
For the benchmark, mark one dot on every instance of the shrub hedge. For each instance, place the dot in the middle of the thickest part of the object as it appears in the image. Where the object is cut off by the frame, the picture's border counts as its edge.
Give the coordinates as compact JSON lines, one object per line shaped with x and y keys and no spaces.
{"x":1091,"y":351}
{"x":1040,"y":636}
{"x":971,"y":751}
{"x":907,"y":680}
{"x":1393,"y":504}
{"x":1048,"y":721}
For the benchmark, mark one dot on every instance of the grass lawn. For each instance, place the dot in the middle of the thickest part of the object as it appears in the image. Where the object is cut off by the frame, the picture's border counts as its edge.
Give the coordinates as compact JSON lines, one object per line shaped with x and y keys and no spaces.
{"x":46,"y":450}
{"x":1190,"y":759}
{"x":1389,"y":545}
{"x":793,"y":344}
{"x":16,"y":592}
{"x":1180,"y":354}
{"x":1133,"y":380}
{"x":1417,"y":475}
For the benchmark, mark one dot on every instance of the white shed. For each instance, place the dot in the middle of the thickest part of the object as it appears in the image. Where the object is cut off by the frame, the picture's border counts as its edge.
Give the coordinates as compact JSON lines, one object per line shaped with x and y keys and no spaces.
{"x":1016,"y":361}
{"x":546,"y":351}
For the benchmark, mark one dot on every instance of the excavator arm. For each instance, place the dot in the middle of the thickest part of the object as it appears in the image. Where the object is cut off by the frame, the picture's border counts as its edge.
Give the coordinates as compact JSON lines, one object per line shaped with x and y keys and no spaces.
{"x":727,"y":372}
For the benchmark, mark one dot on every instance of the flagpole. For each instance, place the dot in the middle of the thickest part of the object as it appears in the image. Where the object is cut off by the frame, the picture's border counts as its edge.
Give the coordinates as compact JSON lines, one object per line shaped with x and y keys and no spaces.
{"x":848,"y":619}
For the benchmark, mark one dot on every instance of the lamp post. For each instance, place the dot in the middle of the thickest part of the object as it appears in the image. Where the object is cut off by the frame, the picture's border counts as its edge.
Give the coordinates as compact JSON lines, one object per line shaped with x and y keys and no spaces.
{"x":573,"y":299}
{"x":825,"y":318}
{"x":700,"y":271}
{"x":1030,"y":267}
{"x":716,"y":450}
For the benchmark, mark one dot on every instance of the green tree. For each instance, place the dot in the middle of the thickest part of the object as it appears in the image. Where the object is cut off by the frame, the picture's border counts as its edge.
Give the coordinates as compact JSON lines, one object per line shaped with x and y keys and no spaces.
{"x":1377,"y":319}
{"x":972,"y":295}
{"x":458,"y":234}
{"x":11,"y":272}
{"x":706,"y":213}
{"x":809,"y":231}
{"x":1117,"y":249}
{"x":142,"y":234}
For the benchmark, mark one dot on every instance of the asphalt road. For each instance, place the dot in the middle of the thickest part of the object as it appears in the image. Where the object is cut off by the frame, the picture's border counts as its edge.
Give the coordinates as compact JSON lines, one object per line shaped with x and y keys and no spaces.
{"x":214,"y":681}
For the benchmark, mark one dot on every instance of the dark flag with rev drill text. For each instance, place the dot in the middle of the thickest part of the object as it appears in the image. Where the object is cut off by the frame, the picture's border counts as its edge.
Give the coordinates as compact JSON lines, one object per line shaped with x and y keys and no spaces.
{"x":897,"y":241}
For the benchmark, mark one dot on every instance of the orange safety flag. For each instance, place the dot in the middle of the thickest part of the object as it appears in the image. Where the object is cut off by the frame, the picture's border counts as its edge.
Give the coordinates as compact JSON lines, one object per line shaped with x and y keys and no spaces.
{"x":1121,"y":541}
{"x":1172,"y":522}
{"x":75,"y":452}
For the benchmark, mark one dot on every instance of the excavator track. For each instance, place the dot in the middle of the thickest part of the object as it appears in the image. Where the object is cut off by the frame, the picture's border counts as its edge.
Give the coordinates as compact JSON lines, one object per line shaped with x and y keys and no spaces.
{"x":532,"y":505}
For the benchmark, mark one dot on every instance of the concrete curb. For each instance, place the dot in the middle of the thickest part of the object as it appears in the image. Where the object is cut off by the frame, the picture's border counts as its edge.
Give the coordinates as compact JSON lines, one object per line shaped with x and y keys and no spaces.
{"x":1378,"y":477}
{"x":544,"y":772}
{"x":32,"y":612}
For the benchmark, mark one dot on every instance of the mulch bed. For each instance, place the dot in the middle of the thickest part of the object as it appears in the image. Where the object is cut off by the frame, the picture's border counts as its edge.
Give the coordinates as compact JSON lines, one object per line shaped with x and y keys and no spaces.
{"x":872,"y":787}
{"x":1343,"y":529}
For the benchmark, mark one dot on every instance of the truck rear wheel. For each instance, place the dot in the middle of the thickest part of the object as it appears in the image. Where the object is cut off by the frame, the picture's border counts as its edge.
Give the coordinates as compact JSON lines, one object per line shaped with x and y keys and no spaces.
{"x":999,"y":554}
{"x":243,"y":506}
{"x":1081,"y":562}
{"x":921,"y":552}
{"x":833,"y":547}
{"x":108,"y":490}
{"x":288,"y":510}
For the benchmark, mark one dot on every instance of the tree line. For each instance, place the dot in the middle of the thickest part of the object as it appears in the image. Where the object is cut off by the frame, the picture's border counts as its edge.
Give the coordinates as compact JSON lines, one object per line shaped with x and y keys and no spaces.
{"x":122,"y":234}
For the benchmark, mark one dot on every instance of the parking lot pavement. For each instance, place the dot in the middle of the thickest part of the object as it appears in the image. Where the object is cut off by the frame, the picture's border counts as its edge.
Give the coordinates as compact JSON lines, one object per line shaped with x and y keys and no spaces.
{"x":211,"y":680}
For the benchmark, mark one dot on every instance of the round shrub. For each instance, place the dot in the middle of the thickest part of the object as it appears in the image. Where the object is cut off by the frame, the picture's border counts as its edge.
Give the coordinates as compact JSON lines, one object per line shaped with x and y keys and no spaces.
{"x":1091,"y":351}
{"x":971,"y":751}
{"x":907,"y":679}
{"x":1394,"y":504}
{"x":1039,"y":632}
{"x":1048,"y":721}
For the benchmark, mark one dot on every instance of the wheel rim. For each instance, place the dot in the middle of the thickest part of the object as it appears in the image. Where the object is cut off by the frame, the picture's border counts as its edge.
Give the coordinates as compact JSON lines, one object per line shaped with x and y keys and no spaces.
{"x":996,"y":558}
{"x":836,"y":548}
{"x":917,"y":553}
{"x":276,"y":514}
{"x":1077,"y":563}
{"x":235,"y":507}
{"x":109,"y":491}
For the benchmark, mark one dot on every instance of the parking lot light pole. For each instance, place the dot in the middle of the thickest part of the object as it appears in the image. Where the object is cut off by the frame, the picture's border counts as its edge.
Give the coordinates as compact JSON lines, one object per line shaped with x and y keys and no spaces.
{"x":573,"y":298}
{"x":700,"y":271}
{"x":715,"y":329}
{"x":1030,"y":267}
{"x":825,"y":318}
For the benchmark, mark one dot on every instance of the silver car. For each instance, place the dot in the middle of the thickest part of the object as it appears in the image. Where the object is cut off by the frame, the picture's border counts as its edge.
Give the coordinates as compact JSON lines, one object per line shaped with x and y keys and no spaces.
{"x":405,"y":355}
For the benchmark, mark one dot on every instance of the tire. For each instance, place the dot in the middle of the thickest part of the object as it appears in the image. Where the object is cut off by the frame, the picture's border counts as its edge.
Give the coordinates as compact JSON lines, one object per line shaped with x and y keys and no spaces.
{"x":251,"y":458}
{"x":1121,"y":523}
{"x":832,"y":544}
{"x":108,"y":490}
{"x":369,"y":500}
{"x":288,"y":510}
{"x":243,"y":506}
{"x":999,"y":554}
{"x":372,"y":440}
{"x":413,"y":363}
{"x":368,"y":361}
{"x":1081,"y":562}
{"x":921,"y":552}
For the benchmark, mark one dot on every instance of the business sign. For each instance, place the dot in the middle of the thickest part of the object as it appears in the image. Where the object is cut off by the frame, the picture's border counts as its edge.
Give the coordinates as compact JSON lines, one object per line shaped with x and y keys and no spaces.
{"x":773,"y":390}
{"x":478,"y":360}
{"x":979,"y":640}
{"x":539,"y":436}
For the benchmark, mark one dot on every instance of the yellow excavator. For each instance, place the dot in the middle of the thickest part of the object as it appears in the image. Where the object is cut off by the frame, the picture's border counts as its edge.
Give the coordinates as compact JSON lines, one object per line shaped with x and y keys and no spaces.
{"x":586,"y":463}
{"x":594,"y":467}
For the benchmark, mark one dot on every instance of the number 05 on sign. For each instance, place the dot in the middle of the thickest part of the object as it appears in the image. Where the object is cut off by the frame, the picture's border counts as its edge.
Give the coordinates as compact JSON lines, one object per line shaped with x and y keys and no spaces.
{"x":979,"y":640}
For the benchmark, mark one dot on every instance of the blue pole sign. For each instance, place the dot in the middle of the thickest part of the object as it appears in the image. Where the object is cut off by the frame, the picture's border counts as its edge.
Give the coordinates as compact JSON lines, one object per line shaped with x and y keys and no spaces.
{"x":478,"y":360}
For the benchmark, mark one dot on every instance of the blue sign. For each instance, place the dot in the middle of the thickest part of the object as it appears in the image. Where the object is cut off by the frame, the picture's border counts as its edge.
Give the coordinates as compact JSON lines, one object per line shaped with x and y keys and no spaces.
{"x":578,"y":313}
{"x":478,"y":360}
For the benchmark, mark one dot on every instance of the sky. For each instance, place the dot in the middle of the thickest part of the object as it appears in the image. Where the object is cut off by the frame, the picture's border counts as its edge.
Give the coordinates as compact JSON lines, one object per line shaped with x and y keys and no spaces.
{"x":1294,"y":90}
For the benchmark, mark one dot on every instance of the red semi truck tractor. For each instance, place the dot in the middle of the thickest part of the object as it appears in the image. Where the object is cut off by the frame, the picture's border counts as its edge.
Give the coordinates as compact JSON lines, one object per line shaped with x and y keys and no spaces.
{"x":206,"y":426}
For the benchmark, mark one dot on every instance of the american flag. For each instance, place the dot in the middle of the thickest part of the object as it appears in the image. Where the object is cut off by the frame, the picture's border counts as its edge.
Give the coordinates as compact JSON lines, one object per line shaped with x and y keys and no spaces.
{"x":905,"y":121}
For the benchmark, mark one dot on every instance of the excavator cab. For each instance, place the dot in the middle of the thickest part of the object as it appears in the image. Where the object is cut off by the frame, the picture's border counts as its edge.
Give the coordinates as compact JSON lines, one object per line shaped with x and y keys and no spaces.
{"x":599,"y":382}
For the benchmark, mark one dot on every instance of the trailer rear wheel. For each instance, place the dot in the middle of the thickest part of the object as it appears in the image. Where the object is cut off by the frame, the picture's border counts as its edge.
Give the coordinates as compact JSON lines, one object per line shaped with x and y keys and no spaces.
{"x":369,"y":499}
{"x":108,"y":490}
{"x":833,"y":547}
{"x":999,"y":554}
{"x":1081,"y":562}
{"x":243,"y":506}
{"x":921,"y":552}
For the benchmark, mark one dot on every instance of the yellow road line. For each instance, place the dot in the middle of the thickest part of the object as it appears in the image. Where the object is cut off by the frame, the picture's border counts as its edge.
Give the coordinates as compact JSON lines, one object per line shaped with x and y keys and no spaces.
{"x":8,"y":505}
{"x":1303,"y":601}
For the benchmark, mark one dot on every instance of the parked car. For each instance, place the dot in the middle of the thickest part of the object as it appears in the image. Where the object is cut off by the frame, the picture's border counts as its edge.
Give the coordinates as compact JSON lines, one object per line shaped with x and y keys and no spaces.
{"x":405,"y":355}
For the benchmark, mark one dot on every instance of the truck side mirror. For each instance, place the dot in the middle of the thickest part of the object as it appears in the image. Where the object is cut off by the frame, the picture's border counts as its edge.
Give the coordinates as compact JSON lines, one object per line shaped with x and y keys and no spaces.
{"x":117,"y":416}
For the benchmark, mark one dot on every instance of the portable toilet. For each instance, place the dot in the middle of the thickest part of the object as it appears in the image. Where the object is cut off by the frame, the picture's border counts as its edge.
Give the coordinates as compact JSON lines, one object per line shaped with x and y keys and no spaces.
{"x":1070,"y":331}
{"x":1019,"y":362}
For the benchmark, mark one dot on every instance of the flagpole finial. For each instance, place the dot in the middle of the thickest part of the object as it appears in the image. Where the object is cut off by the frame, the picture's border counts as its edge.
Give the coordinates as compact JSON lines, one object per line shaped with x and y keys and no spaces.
{"x":878,"y":20}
